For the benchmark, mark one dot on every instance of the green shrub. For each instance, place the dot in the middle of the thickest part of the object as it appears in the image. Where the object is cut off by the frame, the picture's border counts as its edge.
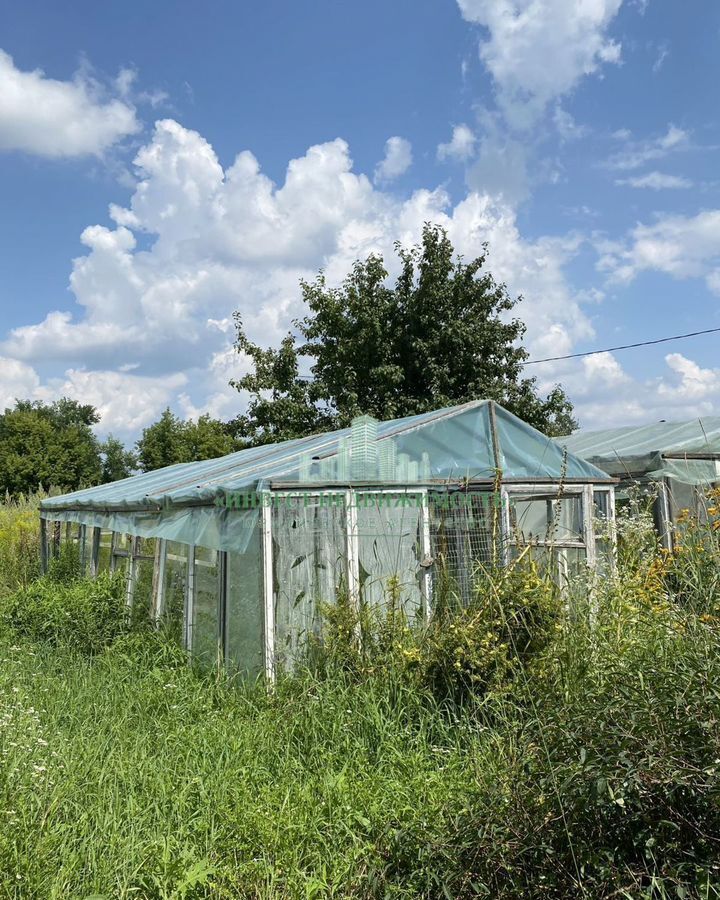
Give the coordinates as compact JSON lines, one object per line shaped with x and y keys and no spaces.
{"x":510,"y":621}
{"x":462,"y":652}
{"x":597,"y":777}
{"x":83,"y":614}
{"x":365,"y":642}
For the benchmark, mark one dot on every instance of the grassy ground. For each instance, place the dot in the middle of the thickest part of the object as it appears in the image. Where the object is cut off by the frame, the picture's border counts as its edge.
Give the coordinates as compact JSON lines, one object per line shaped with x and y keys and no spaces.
{"x":582,"y":764}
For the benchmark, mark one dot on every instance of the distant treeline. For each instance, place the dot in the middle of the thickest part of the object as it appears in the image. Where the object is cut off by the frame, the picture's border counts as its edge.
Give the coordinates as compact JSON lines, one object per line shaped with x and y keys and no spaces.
{"x":54,"y":445}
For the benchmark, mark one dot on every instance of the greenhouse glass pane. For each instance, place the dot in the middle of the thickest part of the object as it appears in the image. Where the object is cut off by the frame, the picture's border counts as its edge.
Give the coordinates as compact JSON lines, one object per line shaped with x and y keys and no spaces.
{"x":571,"y":565}
{"x":683,"y":500}
{"x":531,"y":519}
{"x":245,"y":616}
{"x":546,"y":518}
{"x":388,"y":527}
{"x":175,"y":586}
{"x":122,"y":544}
{"x":79,"y":540}
{"x":145,"y":546}
{"x":103,"y":564}
{"x":205,"y":624}
{"x":602,"y":527}
{"x":601,"y":504}
{"x":310,"y":565}
{"x":562,"y":564}
{"x":121,"y":554}
{"x":569,"y":513}
{"x":142,"y":590}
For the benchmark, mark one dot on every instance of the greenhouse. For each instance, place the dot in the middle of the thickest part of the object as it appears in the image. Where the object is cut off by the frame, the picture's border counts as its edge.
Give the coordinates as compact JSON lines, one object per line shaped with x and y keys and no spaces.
{"x":675,"y":463}
{"x":240,"y":553}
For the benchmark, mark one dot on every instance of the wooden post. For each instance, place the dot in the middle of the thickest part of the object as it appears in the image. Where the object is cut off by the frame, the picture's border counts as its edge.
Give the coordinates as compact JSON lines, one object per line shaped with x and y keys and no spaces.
{"x":666,"y":532}
{"x":82,"y":541}
{"x":353,"y":550}
{"x":43,"y":546}
{"x":425,"y":550}
{"x":268,"y":587}
{"x":113,"y":542}
{"x":588,"y":502}
{"x":188,"y":612}
{"x":95,"y":552}
{"x":222,"y":601}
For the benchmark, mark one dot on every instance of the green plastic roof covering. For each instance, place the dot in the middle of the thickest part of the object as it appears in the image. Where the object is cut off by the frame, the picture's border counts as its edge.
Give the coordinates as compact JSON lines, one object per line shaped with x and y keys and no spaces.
{"x":184,"y":502}
{"x":686,"y":451}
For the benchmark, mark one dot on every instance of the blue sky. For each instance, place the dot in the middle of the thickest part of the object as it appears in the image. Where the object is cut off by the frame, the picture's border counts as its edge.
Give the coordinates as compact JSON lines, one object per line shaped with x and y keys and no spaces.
{"x":163,"y":166}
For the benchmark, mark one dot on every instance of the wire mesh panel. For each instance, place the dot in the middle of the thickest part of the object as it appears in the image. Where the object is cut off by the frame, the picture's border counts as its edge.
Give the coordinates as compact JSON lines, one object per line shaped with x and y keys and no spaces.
{"x":465,"y":533}
{"x":309,"y":540}
{"x":389,"y":550}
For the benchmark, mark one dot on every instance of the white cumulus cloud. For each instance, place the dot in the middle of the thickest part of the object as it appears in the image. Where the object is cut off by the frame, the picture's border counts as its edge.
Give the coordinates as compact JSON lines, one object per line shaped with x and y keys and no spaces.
{"x":635,"y":154}
{"x":54,"y":118}
{"x":125,"y":402}
{"x":538,"y":50}
{"x":693,"y":383}
{"x":606,"y":395}
{"x":156,"y":288}
{"x":461,"y":145}
{"x":676,"y":245}
{"x":18,"y":381}
{"x":397,"y":160}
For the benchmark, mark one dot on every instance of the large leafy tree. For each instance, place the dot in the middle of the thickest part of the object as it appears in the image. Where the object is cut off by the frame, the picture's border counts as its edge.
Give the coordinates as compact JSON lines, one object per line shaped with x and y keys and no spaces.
{"x":117,"y":462}
{"x":48,"y":445}
{"x":173,"y":440}
{"x":443,"y":334}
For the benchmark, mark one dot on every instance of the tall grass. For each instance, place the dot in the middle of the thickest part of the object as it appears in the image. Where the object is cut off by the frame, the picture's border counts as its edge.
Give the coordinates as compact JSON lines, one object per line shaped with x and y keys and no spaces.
{"x":580,"y":764}
{"x":19,"y":542}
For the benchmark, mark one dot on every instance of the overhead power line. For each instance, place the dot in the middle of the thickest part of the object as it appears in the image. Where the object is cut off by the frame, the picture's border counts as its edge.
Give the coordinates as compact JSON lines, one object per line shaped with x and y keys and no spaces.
{"x":675,"y":337}
{"x":535,"y":362}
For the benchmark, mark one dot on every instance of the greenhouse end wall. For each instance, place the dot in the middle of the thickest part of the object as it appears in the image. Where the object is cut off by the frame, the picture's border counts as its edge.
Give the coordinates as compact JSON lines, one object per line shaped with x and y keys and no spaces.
{"x":254,"y":608}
